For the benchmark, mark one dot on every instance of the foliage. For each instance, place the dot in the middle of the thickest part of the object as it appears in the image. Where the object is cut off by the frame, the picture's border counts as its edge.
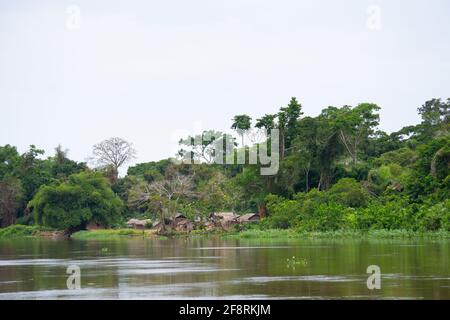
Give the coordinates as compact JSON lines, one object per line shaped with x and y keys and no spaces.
{"x":434,"y":218}
{"x":18,"y":231}
{"x":83,"y":198}
{"x":106,"y":234}
{"x":10,"y":197}
{"x":349,"y":193}
{"x":337,"y":173}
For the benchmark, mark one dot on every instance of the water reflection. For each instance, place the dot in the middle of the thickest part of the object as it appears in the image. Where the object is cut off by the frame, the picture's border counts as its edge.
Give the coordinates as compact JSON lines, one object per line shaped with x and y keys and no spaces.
{"x":225,"y":269}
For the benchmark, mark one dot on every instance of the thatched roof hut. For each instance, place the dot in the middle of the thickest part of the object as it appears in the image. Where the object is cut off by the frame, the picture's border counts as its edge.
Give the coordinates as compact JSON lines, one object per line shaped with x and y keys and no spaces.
{"x":249,"y":217}
{"x":185,"y":225}
{"x":91,"y":226}
{"x":226,"y":216}
{"x":138,"y":224}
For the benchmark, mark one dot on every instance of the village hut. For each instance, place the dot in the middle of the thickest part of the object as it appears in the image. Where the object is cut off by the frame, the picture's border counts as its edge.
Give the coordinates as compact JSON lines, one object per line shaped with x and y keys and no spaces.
{"x":185,"y":226}
{"x":180,"y":222}
{"x":249,"y":217}
{"x":223,"y":216}
{"x":157,"y":225}
{"x":91,"y":226}
{"x":138,"y":224}
{"x":224,"y":220}
{"x":176,"y":219}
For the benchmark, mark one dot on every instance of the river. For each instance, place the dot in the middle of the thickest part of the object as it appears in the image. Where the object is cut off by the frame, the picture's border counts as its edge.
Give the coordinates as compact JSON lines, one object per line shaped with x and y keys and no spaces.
{"x":210,"y":268}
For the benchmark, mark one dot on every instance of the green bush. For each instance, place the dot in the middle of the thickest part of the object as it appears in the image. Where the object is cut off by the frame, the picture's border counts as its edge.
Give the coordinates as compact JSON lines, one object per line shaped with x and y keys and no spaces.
{"x":326,"y":217}
{"x":434,"y":218}
{"x":83,"y":198}
{"x":348,"y":192}
{"x":282,"y":212}
{"x":18,"y":231}
{"x":386,"y":213}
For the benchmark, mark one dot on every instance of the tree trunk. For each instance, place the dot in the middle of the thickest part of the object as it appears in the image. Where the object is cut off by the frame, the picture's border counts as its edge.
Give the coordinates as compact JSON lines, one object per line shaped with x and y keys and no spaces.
{"x":307,"y":180}
{"x":433,"y":167}
{"x":262,"y":210}
{"x":324,"y":182}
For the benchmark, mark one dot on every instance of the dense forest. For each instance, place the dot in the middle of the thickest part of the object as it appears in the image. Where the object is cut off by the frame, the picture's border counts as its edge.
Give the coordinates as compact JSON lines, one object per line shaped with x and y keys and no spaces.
{"x":337,"y":171}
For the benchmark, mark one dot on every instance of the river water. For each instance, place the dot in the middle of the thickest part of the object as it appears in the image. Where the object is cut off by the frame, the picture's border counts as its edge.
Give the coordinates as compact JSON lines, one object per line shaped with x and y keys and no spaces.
{"x":208,"y":268}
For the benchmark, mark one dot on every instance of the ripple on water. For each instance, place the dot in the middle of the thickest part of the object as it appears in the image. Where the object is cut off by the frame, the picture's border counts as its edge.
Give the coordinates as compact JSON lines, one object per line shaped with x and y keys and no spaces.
{"x":314,"y":278}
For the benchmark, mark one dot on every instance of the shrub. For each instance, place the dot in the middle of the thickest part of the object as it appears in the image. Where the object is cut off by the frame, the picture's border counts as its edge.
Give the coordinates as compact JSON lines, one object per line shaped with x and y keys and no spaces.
{"x":17,"y":231}
{"x":386,"y":213}
{"x":434,"y":218}
{"x":349,"y":193}
{"x":282,"y":212}
{"x":83,"y":198}
{"x":326,"y":217}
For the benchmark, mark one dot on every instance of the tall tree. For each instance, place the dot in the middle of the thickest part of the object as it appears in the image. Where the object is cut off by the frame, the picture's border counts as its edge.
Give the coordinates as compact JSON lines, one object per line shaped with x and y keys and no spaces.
{"x":267,"y":122}
{"x":241,"y":123}
{"x":291,"y":113}
{"x":355,"y":126}
{"x":287,"y":124}
{"x":207,"y":147}
{"x":62,"y":166}
{"x":113,"y":153}
{"x":305,"y":147}
{"x":328,"y":146}
{"x":435,"y":115}
{"x":10,"y":197}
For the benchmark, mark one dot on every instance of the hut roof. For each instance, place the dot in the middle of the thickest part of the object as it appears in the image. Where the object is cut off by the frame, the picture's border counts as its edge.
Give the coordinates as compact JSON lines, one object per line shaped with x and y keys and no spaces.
{"x":225,"y":215}
{"x":184,"y":221}
{"x":248,"y":216}
{"x":137,"y":222}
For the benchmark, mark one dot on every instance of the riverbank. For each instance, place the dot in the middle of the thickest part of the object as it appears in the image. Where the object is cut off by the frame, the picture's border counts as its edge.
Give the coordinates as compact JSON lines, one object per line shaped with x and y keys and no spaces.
{"x":294,"y":234}
{"x":275,"y":234}
{"x":108,"y":234}
{"x":21,"y":231}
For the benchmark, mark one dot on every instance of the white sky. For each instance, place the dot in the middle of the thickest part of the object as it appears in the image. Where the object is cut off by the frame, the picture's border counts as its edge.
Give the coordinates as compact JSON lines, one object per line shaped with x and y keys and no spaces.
{"x":148,"y":70}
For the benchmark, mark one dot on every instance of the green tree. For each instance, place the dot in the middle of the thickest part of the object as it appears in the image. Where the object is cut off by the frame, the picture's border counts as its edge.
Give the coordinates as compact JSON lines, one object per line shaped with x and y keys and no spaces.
{"x":241,"y":123}
{"x":62,"y":166}
{"x":33,"y":172}
{"x":355,"y":126}
{"x":267,"y":122}
{"x":435,"y":116}
{"x":287,"y":121}
{"x":10,"y":198}
{"x":207,"y":147}
{"x":72,"y":204}
{"x":348,"y":192}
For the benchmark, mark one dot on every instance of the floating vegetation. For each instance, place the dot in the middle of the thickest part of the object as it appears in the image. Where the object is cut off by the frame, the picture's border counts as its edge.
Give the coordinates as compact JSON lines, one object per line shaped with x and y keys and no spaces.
{"x":292,"y":263}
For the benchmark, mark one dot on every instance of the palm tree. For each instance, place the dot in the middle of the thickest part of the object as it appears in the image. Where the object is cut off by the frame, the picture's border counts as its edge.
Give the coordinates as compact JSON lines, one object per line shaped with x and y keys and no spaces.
{"x":240,"y":124}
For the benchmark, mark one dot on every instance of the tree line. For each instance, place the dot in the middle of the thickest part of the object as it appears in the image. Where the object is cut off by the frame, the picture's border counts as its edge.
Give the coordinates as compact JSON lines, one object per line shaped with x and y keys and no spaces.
{"x":337,"y":171}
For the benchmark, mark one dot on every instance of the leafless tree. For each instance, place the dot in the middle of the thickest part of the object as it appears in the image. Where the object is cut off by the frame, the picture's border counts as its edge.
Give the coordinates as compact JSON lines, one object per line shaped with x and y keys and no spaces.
{"x":113,"y":153}
{"x":163,"y":195}
{"x":171,"y":189}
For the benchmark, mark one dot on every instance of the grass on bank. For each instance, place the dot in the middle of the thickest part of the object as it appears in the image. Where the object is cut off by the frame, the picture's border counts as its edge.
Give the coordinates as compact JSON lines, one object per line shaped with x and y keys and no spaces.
{"x":23,"y":231}
{"x":19,"y":231}
{"x":294,"y":234}
{"x":107,"y":234}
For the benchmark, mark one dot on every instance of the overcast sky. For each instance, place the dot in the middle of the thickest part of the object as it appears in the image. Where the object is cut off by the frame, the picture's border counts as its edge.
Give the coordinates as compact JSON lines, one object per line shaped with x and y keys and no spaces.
{"x":148,"y":71}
